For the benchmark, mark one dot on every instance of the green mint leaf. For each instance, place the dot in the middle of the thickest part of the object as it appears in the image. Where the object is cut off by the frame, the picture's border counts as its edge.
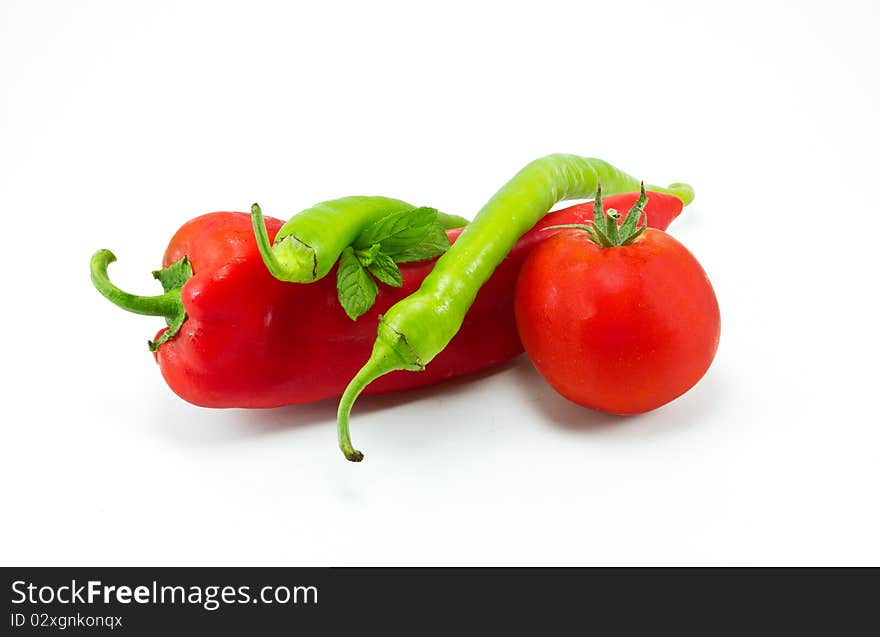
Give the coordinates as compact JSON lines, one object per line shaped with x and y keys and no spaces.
{"x":367,"y":256}
{"x":384,"y":269}
{"x":356,"y":288}
{"x":434,"y":244}
{"x":398,"y":231}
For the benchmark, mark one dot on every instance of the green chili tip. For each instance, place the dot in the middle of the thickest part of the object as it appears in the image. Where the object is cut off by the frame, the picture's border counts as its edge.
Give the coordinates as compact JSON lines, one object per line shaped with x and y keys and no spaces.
{"x":685,"y":192}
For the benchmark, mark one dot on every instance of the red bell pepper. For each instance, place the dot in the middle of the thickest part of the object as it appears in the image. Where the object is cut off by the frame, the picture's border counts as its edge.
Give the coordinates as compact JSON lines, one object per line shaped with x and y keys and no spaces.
{"x":250,"y":340}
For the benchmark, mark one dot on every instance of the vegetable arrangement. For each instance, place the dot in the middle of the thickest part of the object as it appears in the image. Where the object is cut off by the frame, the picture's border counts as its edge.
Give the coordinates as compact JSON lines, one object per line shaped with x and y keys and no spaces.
{"x":615,"y":314}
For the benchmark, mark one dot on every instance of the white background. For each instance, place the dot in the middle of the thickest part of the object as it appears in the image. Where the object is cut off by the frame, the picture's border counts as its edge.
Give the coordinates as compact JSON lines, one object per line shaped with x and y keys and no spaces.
{"x":120,"y":121}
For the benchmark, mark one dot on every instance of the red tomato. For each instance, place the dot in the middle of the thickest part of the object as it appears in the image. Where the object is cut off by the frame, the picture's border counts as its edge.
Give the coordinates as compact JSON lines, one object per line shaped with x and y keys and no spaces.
{"x":623,"y":329}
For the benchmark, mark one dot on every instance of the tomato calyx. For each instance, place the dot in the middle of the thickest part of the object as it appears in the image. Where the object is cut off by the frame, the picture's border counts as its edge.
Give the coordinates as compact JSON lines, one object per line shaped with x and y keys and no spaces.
{"x":607,"y":231}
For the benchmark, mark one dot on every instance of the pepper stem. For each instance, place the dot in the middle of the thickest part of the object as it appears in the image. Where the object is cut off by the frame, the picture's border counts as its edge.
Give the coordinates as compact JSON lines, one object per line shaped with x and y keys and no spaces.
{"x":390,"y":353}
{"x":167,"y":305}
{"x":263,"y":243}
{"x":364,"y":377}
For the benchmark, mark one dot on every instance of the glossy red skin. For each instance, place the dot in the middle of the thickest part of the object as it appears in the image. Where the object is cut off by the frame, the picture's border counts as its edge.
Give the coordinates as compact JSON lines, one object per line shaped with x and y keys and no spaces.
{"x":253,"y":341}
{"x":622,"y":330}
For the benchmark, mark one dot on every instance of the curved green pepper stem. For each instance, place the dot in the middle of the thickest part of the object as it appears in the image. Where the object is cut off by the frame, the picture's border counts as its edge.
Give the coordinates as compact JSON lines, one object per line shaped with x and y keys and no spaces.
{"x":390,"y":353}
{"x":167,"y":305}
{"x":263,"y":243}
{"x":367,"y":374}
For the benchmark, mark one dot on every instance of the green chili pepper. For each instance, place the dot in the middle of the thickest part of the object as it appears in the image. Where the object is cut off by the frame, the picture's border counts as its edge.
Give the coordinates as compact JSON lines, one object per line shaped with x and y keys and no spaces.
{"x":307,"y":246}
{"x":419,"y":327}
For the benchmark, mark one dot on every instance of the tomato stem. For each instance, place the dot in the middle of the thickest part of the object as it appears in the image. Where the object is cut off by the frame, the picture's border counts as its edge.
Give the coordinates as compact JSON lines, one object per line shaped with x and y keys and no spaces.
{"x":607,"y":230}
